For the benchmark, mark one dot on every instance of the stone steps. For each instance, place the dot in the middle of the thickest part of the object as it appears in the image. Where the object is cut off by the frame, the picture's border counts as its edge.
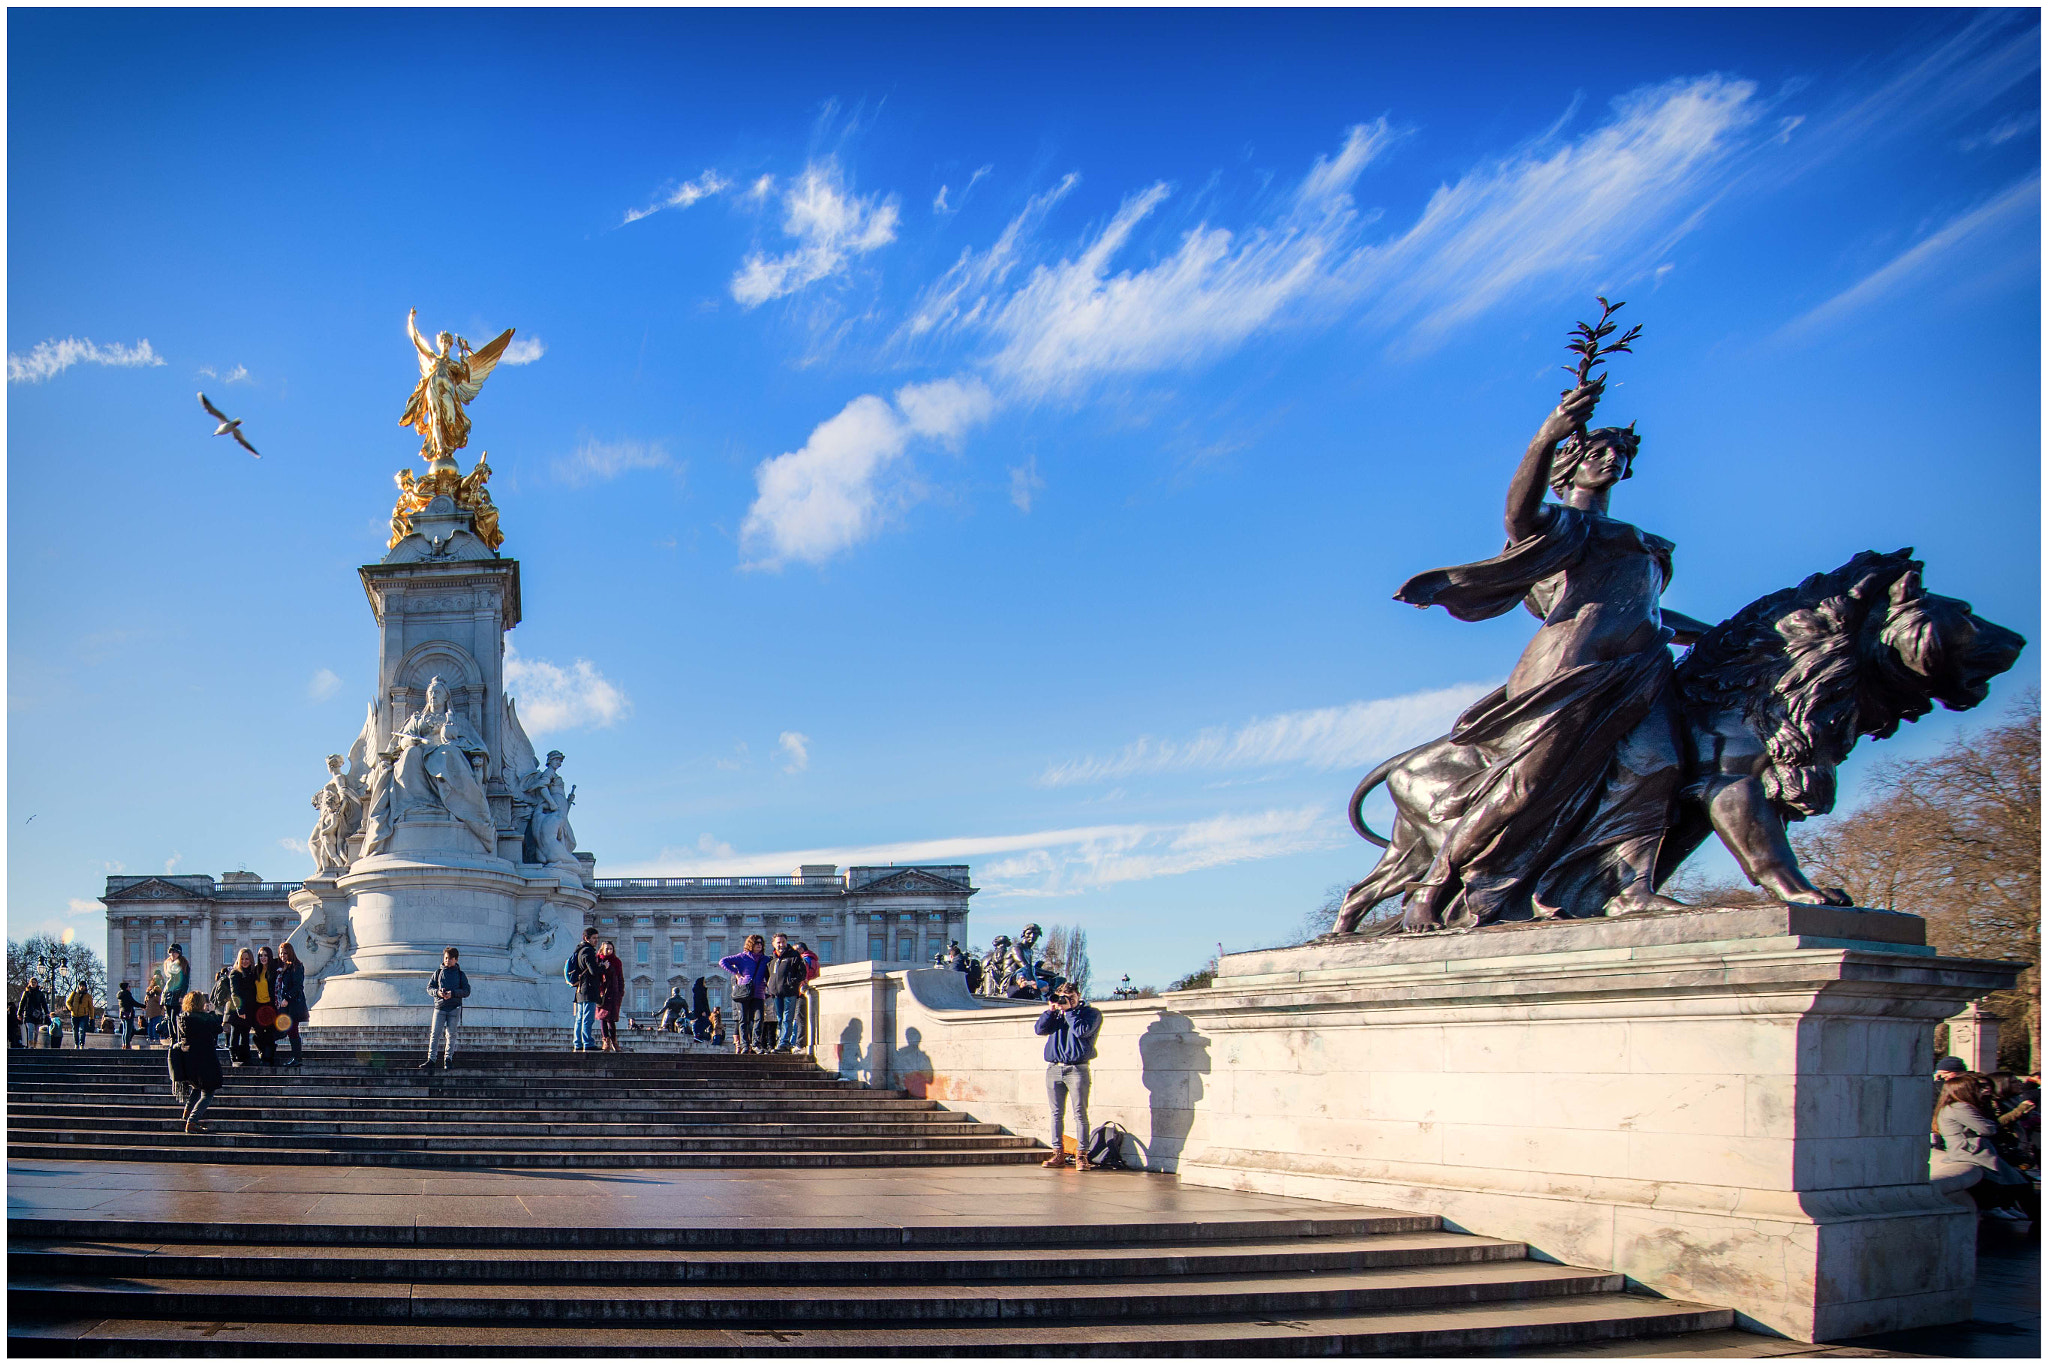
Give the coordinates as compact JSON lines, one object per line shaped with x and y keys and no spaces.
{"x":546,"y":1110}
{"x":1378,"y":1283}
{"x":1490,"y":1329}
{"x":1071,"y":1276}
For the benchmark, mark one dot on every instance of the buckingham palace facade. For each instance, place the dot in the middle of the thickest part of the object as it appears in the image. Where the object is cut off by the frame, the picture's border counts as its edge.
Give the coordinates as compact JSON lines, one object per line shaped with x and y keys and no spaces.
{"x":669,"y":930}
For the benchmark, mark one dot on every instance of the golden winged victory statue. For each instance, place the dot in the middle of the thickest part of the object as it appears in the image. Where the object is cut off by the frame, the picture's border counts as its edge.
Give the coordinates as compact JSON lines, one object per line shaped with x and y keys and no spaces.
{"x":451,"y":376}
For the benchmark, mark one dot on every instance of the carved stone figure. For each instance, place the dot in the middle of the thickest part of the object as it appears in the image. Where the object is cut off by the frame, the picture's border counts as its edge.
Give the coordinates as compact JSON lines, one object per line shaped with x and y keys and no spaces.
{"x":549,"y":837}
{"x":432,"y":766}
{"x":340,"y":807}
{"x":1578,"y":787}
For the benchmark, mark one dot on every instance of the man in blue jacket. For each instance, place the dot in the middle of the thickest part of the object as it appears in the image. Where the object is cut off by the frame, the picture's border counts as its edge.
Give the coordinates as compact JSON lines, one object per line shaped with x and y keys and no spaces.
{"x":1069,"y":1028}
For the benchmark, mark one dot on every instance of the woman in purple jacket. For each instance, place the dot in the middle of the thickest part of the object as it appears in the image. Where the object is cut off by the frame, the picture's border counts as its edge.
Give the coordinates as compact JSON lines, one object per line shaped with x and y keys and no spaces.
{"x":749,"y":969}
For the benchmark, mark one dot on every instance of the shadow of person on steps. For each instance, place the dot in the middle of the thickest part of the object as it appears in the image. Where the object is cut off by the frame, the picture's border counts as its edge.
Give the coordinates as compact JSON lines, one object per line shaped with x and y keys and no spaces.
{"x":1174,"y":1059}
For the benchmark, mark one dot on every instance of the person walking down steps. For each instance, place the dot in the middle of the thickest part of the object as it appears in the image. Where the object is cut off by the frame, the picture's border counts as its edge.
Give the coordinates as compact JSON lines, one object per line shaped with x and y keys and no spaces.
{"x":1069,"y":1026}
{"x":449,"y":988}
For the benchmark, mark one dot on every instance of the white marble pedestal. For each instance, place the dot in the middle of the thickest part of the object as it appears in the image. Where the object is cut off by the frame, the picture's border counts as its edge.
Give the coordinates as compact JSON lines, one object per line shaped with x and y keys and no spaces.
{"x":405,"y":908}
{"x":1727,"y":1105}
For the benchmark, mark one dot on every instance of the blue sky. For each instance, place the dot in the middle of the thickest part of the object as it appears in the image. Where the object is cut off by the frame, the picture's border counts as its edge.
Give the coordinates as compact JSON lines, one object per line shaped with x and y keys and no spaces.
{"x":963,"y":436}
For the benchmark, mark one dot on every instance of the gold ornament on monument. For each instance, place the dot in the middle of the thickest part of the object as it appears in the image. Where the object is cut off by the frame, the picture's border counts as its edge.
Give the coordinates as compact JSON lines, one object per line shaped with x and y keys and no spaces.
{"x":451,"y":376}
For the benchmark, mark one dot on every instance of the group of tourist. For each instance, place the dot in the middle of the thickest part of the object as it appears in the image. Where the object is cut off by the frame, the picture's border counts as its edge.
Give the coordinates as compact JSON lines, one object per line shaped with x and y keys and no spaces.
{"x":1986,"y":1139}
{"x":763,"y":977}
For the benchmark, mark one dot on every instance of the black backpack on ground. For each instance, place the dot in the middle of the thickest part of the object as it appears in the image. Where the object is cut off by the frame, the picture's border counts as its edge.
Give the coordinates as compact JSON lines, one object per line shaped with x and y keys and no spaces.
{"x":1106,"y":1148}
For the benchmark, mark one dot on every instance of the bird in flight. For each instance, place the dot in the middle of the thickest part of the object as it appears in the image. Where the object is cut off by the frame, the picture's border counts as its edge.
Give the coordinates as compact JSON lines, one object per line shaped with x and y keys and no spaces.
{"x":228,"y":427}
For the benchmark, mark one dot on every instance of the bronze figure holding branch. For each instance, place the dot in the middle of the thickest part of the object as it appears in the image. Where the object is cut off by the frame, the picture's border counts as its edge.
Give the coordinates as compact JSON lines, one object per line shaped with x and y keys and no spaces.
{"x":1577,"y":788}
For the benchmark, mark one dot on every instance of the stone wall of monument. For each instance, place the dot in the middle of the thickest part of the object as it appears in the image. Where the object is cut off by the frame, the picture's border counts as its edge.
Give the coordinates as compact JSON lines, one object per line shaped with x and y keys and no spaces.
{"x":1728,"y":1106}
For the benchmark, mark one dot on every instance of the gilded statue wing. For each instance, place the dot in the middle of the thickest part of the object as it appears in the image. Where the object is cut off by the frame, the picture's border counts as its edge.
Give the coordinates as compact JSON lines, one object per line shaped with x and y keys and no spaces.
{"x":482,"y":362}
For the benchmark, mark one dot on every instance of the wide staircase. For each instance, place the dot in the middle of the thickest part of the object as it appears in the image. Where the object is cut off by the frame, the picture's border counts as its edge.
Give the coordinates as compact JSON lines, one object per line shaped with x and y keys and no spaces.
{"x":1032,"y":1263}
{"x":490,"y":1109}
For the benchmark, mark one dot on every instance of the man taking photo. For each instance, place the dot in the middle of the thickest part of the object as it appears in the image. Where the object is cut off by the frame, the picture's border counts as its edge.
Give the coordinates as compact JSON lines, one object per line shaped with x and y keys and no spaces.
{"x":1069,"y":1027}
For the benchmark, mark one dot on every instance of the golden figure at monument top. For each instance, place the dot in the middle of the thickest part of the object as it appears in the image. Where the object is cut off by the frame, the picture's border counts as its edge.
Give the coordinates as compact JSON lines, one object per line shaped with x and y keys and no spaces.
{"x":451,"y":376}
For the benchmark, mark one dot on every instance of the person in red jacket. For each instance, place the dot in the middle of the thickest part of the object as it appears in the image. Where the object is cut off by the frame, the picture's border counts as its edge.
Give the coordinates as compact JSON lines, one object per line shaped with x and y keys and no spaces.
{"x":614,"y":994}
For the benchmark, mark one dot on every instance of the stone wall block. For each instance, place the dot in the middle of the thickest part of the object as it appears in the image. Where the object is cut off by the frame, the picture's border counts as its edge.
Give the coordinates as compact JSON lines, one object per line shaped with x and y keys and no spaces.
{"x":1505,"y":1147}
{"x":1519,"y":1047}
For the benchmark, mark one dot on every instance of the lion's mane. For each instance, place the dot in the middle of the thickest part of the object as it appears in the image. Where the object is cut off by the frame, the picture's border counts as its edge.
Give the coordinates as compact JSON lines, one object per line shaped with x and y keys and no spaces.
{"x":1809,"y":669}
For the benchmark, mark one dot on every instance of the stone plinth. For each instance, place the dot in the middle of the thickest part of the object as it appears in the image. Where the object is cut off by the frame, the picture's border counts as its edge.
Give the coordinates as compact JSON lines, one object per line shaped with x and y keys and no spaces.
{"x":1726,"y":1105}
{"x":1973,"y":1036}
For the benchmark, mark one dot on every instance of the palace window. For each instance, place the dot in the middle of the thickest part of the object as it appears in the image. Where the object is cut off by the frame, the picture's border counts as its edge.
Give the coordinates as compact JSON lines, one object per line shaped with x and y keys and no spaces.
{"x":678,"y":952}
{"x":825,"y":946}
{"x":906,"y":947}
{"x":642,"y":1000}
{"x":135,"y":952}
{"x":643,"y":951}
{"x":714,"y":949}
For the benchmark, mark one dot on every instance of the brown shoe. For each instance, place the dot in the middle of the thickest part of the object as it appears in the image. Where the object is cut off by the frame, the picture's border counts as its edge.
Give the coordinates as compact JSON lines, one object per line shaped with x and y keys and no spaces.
{"x":1055,"y":1161}
{"x":1082,"y":1163}
{"x":194,"y":1126}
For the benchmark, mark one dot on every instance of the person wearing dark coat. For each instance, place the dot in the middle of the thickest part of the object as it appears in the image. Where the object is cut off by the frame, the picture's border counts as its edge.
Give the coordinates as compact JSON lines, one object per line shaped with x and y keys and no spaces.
{"x":35,"y":1011}
{"x":700,"y":1012}
{"x":613,"y":998}
{"x":130,"y":1007}
{"x":194,"y":1065}
{"x":586,"y":974}
{"x":289,"y":990}
{"x":241,"y":1007}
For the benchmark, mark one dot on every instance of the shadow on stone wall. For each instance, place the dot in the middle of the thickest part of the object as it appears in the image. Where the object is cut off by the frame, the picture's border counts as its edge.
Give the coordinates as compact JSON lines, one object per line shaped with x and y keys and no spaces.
{"x":1174,"y":1058}
{"x":853,"y":1062}
{"x":913,"y":1065}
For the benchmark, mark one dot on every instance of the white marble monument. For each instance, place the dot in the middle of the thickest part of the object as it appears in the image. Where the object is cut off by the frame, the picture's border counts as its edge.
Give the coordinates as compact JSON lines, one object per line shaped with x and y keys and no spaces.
{"x":441,"y":828}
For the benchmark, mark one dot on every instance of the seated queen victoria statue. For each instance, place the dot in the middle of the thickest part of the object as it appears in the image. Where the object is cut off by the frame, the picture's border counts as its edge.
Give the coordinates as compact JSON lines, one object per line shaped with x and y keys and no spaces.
{"x":431,"y":768}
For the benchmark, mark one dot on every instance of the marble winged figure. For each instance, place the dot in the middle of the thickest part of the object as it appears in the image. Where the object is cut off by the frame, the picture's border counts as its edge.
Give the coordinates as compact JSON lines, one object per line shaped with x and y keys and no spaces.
{"x":451,"y":376}
{"x":1578,"y":787}
{"x":339,"y":802}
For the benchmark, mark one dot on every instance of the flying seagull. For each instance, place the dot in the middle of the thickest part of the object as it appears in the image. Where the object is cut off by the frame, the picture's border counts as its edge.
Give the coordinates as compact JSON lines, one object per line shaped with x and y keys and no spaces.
{"x":227,"y":427}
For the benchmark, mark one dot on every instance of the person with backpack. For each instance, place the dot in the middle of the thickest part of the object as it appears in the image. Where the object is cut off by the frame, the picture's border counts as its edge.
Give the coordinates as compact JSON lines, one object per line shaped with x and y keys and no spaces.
{"x":786,"y":975}
{"x":749,"y":968}
{"x":240,"y":1009}
{"x":586,"y":974}
{"x":1069,"y":1026}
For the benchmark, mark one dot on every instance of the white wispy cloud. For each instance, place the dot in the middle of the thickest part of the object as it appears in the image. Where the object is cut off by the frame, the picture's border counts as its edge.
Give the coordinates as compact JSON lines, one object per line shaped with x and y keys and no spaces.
{"x":837,"y":490}
{"x":598,"y":461}
{"x":942,"y":205}
{"x":324,"y":684}
{"x":830,"y":226}
{"x":1551,"y":212}
{"x":1051,"y":862}
{"x":796,"y":750}
{"x":53,"y":357}
{"x":524,"y":351}
{"x":1357,"y":734}
{"x":291,"y":845}
{"x":553,"y":698}
{"x":238,"y":375}
{"x":2003,"y":131}
{"x":1024,"y":484}
{"x":171,"y":863}
{"x":2016,"y":205}
{"x":682,"y":196}
{"x":76,"y":906}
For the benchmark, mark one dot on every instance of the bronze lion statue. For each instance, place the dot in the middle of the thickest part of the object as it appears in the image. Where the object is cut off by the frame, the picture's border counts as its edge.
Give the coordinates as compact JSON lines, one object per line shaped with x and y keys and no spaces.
{"x":1767,"y":705}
